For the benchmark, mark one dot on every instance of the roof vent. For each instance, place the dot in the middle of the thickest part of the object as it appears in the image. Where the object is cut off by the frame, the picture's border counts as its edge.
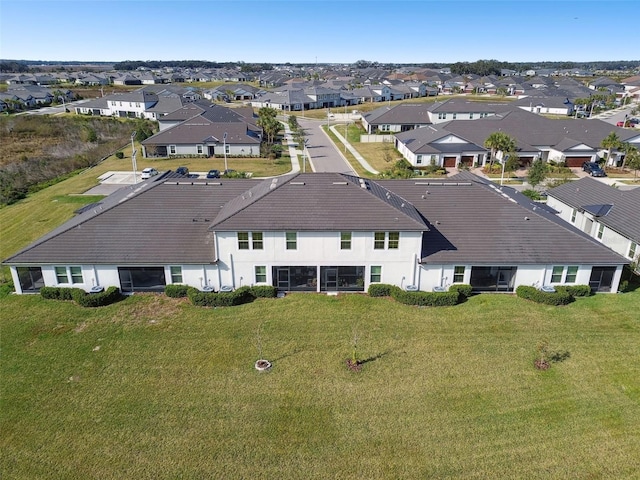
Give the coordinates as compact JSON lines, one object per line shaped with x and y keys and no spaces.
{"x":296,"y":183}
{"x":340,"y":183}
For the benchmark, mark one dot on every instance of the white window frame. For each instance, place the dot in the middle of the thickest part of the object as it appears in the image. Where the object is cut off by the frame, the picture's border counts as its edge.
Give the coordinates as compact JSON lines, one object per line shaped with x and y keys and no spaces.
{"x":291,"y":240}
{"x":375,"y":275}
{"x":175,"y":271}
{"x":260,"y":272}
{"x":68,"y":274}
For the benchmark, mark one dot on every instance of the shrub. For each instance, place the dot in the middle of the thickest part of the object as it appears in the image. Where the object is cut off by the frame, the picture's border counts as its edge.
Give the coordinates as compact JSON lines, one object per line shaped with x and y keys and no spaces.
{"x":59,"y":293}
{"x":423,"y":299}
{"x":176,"y":291}
{"x":531,"y":293}
{"x":119,"y":155}
{"x":82,"y":298}
{"x":109,"y":296}
{"x":576,"y":290}
{"x":263,"y":291}
{"x":224,"y":299}
{"x":463,"y":289}
{"x":6,"y":289}
{"x":380,"y":290}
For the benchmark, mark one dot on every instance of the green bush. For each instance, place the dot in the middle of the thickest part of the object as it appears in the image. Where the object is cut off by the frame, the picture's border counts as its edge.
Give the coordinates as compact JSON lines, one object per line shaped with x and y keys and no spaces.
{"x":109,"y":296}
{"x":6,"y":289}
{"x":559,"y":297}
{"x":176,"y":291}
{"x":463,"y":289}
{"x":82,"y":298}
{"x":425,"y":299}
{"x":263,"y":291}
{"x":380,"y":290}
{"x":119,"y":155}
{"x":59,"y":293}
{"x":576,"y":290}
{"x":224,"y":299}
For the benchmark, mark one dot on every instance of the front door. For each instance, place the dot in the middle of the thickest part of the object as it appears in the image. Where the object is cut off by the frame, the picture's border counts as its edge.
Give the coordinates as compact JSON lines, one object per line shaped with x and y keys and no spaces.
{"x":330,"y":279}
{"x":602,"y":278}
{"x":282,"y":275}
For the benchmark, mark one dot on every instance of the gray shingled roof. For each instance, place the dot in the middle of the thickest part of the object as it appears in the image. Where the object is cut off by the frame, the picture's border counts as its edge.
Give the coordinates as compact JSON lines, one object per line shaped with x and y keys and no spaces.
{"x":426,"y":140}
{"x":404,"y":113}
{"x":624,"y":214}
{"x":317,"y":202}
{"x":471,"y":221}
{"x":465,"y":220}
{"x":531,"y":129}
{"x":200,"y":130}
{"x":160,"y":221}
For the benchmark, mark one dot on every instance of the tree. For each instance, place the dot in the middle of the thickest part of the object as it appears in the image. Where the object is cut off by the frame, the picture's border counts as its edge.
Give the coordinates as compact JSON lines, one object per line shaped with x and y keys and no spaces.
{"x":269,"y":123}
{"x":610,"y":142}
{"x":537,"y":173}
{"x":499,"y":142}
{"x":631,"y":158}
{"x":293,"y":122}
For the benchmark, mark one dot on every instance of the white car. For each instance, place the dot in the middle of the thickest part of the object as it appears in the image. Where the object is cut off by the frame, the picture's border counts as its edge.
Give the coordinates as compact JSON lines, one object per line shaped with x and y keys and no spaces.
{"x":149,"y":172}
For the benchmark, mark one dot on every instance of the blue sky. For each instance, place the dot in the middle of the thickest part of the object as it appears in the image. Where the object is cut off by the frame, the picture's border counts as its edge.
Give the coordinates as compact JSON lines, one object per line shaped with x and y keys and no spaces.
{"x":305,"y":31}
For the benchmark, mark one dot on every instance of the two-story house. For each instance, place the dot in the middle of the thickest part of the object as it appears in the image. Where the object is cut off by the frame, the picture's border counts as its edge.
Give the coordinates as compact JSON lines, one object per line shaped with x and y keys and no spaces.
{"x":609,"y":215}
{"x":316,"y":232}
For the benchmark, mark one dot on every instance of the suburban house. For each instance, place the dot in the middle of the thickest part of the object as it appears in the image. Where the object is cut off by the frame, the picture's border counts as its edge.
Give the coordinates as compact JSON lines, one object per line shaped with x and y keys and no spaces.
{"x":609,"y":215}
{"x":433,"y":145}
{"x":141,"y":103}
{"x":303,"y":98}
{"x":546,"y":105}
{"x":396,"y":118}
{"x":315,"y":232}
{"x":233,"y":91}
{"x":572,"y":141}
{"x":205,"y":129}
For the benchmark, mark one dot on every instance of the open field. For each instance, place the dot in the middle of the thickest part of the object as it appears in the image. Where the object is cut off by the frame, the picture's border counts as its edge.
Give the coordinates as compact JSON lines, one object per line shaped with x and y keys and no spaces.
{"x":155,"y":388}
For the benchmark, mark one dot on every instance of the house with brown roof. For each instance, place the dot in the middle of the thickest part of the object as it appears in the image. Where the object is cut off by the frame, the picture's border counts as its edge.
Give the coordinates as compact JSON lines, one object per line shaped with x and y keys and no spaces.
{"x":316,"y":232}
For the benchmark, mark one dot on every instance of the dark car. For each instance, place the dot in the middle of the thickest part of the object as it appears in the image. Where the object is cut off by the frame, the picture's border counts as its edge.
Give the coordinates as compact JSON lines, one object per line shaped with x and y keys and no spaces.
{"x":593,"y":169}
{"x":213,"y":174}
{"x":183,"y":171}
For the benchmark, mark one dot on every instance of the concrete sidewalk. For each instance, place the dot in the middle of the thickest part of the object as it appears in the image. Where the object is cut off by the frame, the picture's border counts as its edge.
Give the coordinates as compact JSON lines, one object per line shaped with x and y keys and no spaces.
{"x":353,"y":151}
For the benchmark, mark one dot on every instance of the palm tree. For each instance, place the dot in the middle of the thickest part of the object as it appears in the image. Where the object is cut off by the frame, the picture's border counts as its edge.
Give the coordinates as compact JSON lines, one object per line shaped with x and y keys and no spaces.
{"x":610,"y":142}
{"x":499,"y":142}
{"x":631,"y":156}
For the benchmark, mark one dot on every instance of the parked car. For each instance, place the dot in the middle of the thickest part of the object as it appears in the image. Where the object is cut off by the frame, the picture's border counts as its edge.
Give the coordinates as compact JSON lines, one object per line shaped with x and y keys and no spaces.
{"x":634,"y":121}
{"x":183,"y":171}
{"x":148,"y":173}
{"x":213,"y":174}
{"x":593,"y":169}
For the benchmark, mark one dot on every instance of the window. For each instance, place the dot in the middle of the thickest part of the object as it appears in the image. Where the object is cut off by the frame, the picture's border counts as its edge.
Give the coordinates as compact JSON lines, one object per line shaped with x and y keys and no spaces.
{"x":172,"y":149}
{"x":376,"y":273}
{"x":256,"y":238}
{"x":600,"y":231}
{"x":61,"y":275}
{"x":442,"y":116}
{"x":243,"y":240}
{"x":418,"y":159}
{"x":200,"y":150}
{"x":345,"y":240}
{"x":455,"y":115}
{"x":394,"y":240}
{"x":378,"y":240}
{"x":227,"y":148}
{"x":261,"y":274}
{"x":292,"y":240}
{"x":471,"y":116}
{"x":556,"y":274}
{"x":176,"y":274}
{"x":458,"y":274}
{"x":573,"y":215}
{"x":76,"y":274}
{"x":633,"y":248}
{"x":572,"y":273}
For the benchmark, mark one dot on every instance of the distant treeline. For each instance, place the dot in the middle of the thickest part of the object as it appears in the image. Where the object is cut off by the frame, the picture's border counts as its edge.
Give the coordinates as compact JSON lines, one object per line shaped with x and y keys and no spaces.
{"x":155,"y":64}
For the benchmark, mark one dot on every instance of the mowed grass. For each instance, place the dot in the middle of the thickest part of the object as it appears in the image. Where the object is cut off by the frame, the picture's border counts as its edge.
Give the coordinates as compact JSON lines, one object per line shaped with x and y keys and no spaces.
{"x":154,"y":388}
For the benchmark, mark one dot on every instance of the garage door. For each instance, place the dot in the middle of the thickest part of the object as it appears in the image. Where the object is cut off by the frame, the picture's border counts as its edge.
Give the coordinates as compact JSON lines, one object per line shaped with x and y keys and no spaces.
{"x":577,"y":161}
{"x":526,"y":161}
{"x":451,"y":162}
{"x":467,"y":160}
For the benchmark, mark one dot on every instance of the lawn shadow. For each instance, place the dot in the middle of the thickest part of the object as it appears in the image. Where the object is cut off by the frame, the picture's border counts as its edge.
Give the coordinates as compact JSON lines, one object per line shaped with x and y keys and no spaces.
{"x":374,"y":358}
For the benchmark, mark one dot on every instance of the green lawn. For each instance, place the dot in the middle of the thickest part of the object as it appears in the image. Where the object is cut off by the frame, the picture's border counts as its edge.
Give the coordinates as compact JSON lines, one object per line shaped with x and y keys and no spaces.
{"x":154,"y":388}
